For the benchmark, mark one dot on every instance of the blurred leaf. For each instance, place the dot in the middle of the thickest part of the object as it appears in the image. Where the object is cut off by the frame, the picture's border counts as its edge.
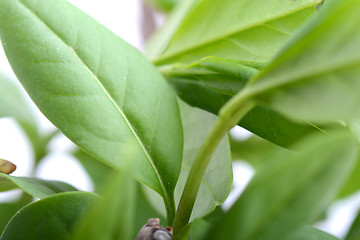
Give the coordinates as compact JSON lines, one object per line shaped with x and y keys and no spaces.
{"x":291,"y":190}
{"x":115,"y":214}
{"x":247,"y":30}
{"x":34,"y":186}
{"x":13,"y":104}
{"x":98,"y":173}
{"x":217,"y":181}
{"x":97,"y":170}
{"x":164,"y":5}
{"x":354,"y":232}
{"x":93,"y":88}
{"x":352,"y":184}
{"x":248,"y":150}
{"x":316,"y":75}
{"x":8,"y":209}
{"x":53,"y":217}
{"x":307,"y":232}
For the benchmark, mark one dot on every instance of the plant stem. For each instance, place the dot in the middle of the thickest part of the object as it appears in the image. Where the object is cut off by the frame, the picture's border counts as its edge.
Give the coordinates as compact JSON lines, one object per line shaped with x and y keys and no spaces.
{"x":229,"y":115}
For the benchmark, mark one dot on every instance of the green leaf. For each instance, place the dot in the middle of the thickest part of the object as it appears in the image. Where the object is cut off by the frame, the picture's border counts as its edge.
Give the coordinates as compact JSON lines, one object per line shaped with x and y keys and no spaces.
{"x":261,"y":120}
{"x":277,"y":201}
{"x":250,"y":30}
{"x":8,"y":209}
{"x":354,"y":232}
{"x":13,"y":104}
{"x":217,"y":181}
{"x":34,"y":186}
{"x":307,"y":232}
{"x":164,"y":5}
{"x":248,"y":150}
{"x":97,"y":170}
{"x":315,"y":77}
{"x":352,"y":184}
{"x":98,"y":90}
{"x":53,"y":217}
{"x":114,"y":216}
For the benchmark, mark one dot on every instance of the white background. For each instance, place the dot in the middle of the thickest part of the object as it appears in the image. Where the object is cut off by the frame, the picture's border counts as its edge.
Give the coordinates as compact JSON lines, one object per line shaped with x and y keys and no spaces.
{"x":123,"y":17}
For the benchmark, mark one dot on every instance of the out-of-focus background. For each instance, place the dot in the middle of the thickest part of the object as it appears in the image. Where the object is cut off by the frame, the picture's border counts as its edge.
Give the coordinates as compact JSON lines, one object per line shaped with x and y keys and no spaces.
{"x":133,"y":21}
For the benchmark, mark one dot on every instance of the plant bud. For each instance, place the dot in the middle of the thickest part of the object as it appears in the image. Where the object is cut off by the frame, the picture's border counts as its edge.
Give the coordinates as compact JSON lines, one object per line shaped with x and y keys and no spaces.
{"x":153,"y":231}
{"x":6,"y":166}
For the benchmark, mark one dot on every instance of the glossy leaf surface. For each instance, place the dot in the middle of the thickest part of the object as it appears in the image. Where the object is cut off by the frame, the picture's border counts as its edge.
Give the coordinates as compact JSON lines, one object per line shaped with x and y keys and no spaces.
{"x":98,"y":90}
{"x":316,"y":76}
{"x":277,"y":201}
{"x":217,"y":181}
{"x":53,"y":217}
{"x":34,"y":186}
{"x":239,"y":29}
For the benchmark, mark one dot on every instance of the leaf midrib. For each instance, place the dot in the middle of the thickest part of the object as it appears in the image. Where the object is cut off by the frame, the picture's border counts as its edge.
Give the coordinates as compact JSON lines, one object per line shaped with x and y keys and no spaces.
{"x":227,"y":35}
{"x":109,"y":97}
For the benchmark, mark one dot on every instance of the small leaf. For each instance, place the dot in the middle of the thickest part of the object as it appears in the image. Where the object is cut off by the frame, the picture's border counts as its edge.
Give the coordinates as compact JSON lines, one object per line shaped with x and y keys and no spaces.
{"x":53,"y":217}
{"x":217,"y":181}
{"x":277,"y":201}
{"x":34,"y":186}
{"x":97,"y":89}
{"x":250,"y":30}
{"x":315,"y":77}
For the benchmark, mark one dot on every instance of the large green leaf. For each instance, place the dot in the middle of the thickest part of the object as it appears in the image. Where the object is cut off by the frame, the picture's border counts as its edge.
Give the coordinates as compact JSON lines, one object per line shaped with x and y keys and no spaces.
{"x":217,"y":181}
{"x":291,"y":190}
{"x":8,"y":209}
{"x":98,"y":90}
{"x":211,"y":82}
{"x":240,"y":29}
{"x":53,"y":217}
{"x":113,"y":218}
{"x":316,"y":76}
{"x":34,"y":186}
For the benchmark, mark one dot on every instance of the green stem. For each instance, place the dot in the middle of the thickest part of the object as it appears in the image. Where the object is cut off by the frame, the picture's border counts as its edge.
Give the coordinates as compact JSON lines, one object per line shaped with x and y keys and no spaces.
{"x":229,"y":115}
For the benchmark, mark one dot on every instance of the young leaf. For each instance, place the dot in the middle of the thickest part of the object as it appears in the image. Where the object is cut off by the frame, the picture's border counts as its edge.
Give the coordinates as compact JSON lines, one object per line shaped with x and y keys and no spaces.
{"x":98,"y":90}
{"x":115,"y":214}
{"x":247,"y":29}
{"x":278,"y":201}
{"x":315,"y":77}
{"x":34,"y":186}
{"x":53,"y":217}
{"x":217,"y":181}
